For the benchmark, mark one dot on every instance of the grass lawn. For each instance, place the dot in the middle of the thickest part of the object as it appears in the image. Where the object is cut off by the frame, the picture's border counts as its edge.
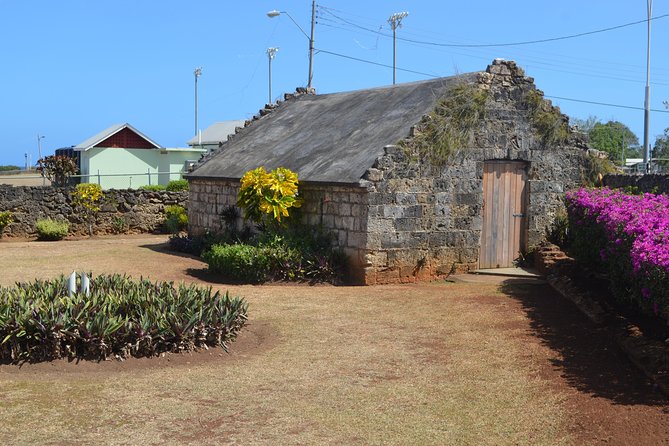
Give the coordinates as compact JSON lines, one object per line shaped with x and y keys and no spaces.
{"x":443,"y":364}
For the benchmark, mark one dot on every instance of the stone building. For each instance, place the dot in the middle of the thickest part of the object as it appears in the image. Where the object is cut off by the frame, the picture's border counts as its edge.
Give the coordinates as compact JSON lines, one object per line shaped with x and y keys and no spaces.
{"x":416,"y":180}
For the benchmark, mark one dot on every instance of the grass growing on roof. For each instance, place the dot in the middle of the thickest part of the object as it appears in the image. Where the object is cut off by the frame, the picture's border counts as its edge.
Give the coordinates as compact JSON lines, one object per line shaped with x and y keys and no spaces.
{"x":449,"y":127}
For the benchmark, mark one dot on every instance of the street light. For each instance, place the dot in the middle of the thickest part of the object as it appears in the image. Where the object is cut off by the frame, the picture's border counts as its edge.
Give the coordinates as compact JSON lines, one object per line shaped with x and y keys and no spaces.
{"x":274,"y":13}
{"x":271,"y":52}
{"x":646,"y":112}
{"x":395,"y":21}
{"x":197,"y":73}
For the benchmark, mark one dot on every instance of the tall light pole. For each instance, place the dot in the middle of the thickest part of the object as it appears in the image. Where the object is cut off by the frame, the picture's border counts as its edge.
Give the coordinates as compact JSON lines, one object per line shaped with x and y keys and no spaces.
{"x":395,"y":21}
{"x":39,"y":154}
{"x":274,"y":13}
{"x":271,"y":52}
{"x":646,"y":112}
{"x":197,"y":73}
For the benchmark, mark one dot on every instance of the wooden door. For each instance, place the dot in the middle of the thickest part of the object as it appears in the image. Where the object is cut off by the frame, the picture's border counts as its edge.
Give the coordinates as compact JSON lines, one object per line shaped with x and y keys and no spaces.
{"x":504,"y":220}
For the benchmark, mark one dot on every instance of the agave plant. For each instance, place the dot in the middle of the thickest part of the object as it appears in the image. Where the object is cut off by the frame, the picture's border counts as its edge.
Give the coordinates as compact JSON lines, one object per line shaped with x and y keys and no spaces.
{"x":121,"y":317}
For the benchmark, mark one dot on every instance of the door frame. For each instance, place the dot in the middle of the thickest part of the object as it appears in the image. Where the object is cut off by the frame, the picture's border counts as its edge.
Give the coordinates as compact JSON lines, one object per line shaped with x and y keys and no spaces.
{"x":504,"y":226}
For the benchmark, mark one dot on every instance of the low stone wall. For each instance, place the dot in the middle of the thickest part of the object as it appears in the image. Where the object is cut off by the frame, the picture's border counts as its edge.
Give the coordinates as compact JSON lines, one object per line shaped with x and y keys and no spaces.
{"x":645,"y":183}
{"x":126,"y":210}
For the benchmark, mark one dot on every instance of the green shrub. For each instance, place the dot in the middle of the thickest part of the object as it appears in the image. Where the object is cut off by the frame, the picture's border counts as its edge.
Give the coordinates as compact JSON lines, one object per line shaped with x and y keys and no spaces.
{"x":558,"y":232}
{"x":243,"y":263}
{"x":176,"y":218}
{"x":6,"y":218}
{"x":48,"y":229}
{"x":298,"y":254}
{"x":547,"y":121}
{"x":153,"y":187}
{"x":121,"y":317}
{"x":119,"y":224}
{"x":177,"y":185}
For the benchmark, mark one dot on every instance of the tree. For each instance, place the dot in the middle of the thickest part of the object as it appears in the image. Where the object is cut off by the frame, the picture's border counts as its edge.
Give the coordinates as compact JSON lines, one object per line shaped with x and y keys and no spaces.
{"x":585,"y":125}
{"x":57,"y":168}
{"x":611,"y":138}
{"x":661,"y":148}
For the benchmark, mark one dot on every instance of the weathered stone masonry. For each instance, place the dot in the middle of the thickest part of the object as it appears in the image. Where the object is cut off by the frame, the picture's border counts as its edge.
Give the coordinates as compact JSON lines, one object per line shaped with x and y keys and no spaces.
{"x":425,"y":221}
{"x":407,"y":219}
{"x":342,"y":210}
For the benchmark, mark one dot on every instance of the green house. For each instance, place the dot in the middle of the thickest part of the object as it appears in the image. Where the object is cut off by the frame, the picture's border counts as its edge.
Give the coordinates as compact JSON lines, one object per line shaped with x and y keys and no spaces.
{"x":122,"y":157}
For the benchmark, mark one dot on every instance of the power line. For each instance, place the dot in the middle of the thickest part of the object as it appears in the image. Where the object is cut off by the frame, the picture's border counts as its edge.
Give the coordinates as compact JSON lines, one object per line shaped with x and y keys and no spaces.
{"x":631,"y":107}
{"x":488,"y":45}
{"x":606,"y":104}
{"x":376,"y":63}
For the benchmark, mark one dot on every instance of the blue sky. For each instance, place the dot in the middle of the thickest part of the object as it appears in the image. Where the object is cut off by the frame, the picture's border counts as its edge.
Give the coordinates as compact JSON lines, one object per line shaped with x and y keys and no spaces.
{"x":74,"y":67}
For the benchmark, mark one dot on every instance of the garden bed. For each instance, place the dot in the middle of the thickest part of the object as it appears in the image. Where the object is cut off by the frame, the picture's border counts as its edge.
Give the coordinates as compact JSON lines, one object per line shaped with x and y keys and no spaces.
{"x":113,"y":316}
{"x":643,"y":338}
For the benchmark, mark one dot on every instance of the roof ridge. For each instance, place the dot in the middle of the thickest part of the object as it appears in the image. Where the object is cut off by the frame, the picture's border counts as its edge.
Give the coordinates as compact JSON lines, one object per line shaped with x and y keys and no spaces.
{"x":266,"y":110}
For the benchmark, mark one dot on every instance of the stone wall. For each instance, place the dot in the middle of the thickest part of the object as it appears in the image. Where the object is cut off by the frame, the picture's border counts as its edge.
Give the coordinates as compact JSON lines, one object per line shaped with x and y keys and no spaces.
{"x":645,"y":183}
{"x":207,"y":199}
{"x":341,"y":210}
{"x":408,"y":219}
{"x":132,"y":211}
{"x":426,"y":221}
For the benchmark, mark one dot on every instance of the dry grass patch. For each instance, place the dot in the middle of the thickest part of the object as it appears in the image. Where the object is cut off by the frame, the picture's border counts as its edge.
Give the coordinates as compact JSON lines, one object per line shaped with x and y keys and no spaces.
{"x":426,"y":364}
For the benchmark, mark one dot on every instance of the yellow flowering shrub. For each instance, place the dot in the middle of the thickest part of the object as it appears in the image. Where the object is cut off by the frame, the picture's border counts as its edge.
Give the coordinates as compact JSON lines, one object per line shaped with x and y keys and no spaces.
{"x":87,"y":198}
{"x":268,"y":194}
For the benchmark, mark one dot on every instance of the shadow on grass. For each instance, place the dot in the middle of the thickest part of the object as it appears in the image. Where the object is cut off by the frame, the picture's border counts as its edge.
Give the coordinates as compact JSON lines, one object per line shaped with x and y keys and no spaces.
{"x":589,"y":358}
{"x":164,"y":248}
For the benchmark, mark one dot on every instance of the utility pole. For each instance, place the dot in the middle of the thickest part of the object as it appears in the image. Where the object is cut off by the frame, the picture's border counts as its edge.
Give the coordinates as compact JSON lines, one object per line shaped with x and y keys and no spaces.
{"x":311,"y":43}
{"x":39,"y":154}
{"x":197,"y":73}
{"x":395,"y":21}
{"x":646,"y":113}
{"x":274,"y":13}
{"x":271,"y":52}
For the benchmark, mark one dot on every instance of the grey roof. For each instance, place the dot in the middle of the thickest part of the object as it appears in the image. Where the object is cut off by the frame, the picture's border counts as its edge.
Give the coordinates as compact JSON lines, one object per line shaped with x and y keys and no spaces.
{"x":217,"y":132}
{"x":106,"y":133}
{"x":330,"y":138}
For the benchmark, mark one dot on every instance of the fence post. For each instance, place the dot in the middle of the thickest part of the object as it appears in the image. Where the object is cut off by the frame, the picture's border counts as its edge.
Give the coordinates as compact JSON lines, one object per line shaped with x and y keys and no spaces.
{"x":99,"y":184}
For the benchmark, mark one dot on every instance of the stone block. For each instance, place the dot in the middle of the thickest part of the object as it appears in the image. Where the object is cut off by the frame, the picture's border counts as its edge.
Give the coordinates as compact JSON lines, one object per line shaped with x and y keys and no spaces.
{"x":407,"y":224}
{"x":437,"y":239}
{"x":345,"y":209}
{"x":342,"y":236}
{"x":378,"y":259}
{"x":373,"y":174}
{"x":405,"y":198}
{"x":394,"y":211}
{"x":356,"y":239}
{"x":359,"y":210}
{"x":389,"y":275}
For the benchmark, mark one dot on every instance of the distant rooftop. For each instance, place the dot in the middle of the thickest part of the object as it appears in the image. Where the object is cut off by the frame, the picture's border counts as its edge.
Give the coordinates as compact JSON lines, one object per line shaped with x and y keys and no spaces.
{"x":216,"y":133}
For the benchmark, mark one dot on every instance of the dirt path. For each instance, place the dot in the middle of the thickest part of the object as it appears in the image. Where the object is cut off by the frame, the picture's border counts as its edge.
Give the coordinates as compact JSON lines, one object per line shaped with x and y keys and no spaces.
{"x":471,"y":362}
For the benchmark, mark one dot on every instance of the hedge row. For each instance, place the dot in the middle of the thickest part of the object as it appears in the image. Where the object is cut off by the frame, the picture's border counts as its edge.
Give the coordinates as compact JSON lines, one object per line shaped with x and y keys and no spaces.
{"x":627,"y":237}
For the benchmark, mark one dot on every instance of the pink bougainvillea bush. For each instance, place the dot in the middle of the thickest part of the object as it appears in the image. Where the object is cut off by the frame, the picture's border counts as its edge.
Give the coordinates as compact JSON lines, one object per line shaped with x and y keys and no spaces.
{"x":626,"y":236}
